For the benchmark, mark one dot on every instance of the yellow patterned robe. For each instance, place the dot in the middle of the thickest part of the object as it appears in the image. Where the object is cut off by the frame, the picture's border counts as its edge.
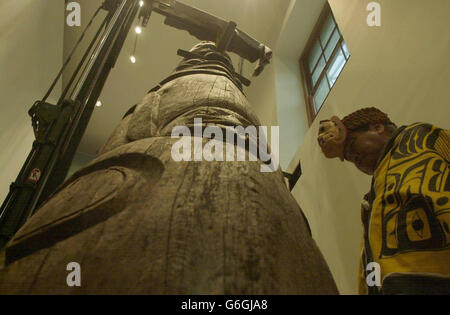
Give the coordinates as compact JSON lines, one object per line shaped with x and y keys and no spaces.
{"x":408,"y":218}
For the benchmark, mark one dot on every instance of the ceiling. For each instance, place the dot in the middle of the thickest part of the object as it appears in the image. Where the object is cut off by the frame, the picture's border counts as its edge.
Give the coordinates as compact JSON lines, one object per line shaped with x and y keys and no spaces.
{"x":156,"y":55}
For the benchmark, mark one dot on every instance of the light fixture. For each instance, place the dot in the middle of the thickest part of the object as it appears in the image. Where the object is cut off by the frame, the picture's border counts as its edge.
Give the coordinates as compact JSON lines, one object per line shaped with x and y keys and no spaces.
{"x":98,"y":104}
{"x":133,"y":59}
{"x":141,"y":3}
{"x":138,"y":30}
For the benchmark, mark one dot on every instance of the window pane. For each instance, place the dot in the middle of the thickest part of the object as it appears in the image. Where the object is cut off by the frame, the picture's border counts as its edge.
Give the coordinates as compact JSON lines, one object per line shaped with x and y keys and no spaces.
{"x":335,"y":67}
{"x":321,"y":93}
{"x":327,"y":29}
{"x":344,"y":46}
{"x":314,"y":55}
{"x":332,"y":44}
{"x":318,"y":71}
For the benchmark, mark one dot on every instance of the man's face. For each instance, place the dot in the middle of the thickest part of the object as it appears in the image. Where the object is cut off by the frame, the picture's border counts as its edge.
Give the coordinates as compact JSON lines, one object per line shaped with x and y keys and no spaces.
{"x":364,"y":148}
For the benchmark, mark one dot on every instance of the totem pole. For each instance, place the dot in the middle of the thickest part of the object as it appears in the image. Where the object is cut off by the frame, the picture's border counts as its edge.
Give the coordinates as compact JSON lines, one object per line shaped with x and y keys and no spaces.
{"x":137,"y":220}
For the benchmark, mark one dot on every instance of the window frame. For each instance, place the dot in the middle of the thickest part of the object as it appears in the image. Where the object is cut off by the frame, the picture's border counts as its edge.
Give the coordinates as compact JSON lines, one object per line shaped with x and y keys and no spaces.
{"x":308,"y":88}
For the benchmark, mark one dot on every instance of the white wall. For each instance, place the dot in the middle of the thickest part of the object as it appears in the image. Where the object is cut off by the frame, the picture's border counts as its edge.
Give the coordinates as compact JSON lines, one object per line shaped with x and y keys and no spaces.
{"x":299,"y":22}
{"x":292,"y":116}
{"x":402,"y":68}
{"x":31,"y":39}
{"x":262,"y":96}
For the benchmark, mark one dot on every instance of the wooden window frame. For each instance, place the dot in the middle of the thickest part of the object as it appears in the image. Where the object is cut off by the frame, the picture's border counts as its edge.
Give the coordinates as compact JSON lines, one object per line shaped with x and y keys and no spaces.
{"x":308,"y":88}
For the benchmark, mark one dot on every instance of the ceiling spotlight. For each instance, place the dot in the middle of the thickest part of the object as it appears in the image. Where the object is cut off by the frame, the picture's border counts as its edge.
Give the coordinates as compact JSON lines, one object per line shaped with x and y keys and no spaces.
{"x":133,"y":59}
{"x":138,"y":30}
{"x":98,"y":104}
{"x":141,"y":3}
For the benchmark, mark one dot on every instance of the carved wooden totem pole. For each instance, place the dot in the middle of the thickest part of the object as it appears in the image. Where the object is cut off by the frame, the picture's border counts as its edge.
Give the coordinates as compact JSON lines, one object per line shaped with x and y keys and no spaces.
{"x":139,"y":222}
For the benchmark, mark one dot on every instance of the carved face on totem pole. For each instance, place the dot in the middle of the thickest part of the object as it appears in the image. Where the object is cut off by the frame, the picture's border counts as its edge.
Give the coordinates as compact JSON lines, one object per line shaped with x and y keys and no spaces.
{"x":332,"y":135}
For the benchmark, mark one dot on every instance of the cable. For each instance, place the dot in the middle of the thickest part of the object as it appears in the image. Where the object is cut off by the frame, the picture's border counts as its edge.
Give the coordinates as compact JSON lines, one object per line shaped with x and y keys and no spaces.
{"x":77,"y":70}
{"x":70,"y":56}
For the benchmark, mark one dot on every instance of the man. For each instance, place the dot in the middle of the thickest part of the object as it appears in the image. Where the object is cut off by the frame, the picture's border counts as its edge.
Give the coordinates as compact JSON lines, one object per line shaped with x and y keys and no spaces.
{"x":406,"y":215}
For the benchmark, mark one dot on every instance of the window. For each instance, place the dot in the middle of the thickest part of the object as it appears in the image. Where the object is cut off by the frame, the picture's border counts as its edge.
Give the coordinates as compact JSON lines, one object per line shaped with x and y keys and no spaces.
{"x":322,"y":61}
